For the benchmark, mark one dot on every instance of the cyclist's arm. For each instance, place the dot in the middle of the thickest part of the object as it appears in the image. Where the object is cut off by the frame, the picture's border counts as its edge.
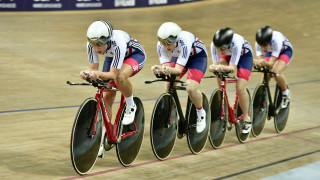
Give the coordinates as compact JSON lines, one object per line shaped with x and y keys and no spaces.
{"x":271,"y":62}
{"x":112,"y":74}
{"x":230,"y":67}
{"x":94,"y":66}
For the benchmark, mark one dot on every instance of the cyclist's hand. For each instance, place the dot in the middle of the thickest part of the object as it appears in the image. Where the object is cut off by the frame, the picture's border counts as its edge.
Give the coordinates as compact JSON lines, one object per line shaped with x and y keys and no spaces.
{"x":84,"y":74}
{"x":94,"y":75}
{"x":216,"y":68}
{"x":166,"y":70}
{"x":156,"y":69}
{"x":255,"y":62}
{"x":261,"y":63}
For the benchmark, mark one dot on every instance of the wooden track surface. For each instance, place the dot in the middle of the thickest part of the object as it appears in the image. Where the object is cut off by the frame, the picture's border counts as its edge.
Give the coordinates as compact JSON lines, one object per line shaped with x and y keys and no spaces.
{"x":40,"y":51}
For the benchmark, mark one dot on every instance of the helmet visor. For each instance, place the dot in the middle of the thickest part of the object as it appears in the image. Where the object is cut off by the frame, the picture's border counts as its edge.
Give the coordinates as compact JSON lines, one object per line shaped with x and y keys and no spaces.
{"x":168,"y":40}
{"x":224,"y":46}
{"x":98,"y":41}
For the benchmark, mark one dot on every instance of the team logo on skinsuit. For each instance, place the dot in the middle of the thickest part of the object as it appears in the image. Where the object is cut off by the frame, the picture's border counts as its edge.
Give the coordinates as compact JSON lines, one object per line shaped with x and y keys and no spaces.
{"x":135,"y":68}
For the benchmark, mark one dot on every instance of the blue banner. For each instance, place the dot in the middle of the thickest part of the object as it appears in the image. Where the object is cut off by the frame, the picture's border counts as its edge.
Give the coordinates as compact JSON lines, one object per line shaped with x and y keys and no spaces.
{"x":54,"y":5}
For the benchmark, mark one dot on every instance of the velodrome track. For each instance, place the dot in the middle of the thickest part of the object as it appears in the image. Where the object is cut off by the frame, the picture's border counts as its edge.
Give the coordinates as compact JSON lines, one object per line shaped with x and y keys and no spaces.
{"x":40,"y":51}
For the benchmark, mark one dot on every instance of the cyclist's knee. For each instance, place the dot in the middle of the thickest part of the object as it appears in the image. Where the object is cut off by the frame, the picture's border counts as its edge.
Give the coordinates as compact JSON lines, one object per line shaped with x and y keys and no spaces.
{"x":121,"y":78}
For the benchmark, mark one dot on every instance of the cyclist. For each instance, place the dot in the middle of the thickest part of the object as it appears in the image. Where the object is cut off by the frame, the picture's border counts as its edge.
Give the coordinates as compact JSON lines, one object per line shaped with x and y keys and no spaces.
{"x":278,"y":53}
{"x":187,"y":53}
{"x":231,"y":52}
{"x":124,"y":58}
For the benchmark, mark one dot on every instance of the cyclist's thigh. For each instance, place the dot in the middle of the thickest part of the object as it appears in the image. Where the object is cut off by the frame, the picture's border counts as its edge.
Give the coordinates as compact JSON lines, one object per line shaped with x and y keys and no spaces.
{"x":244,"y":66}
{"x":197,"y":66}
{"x":136,"y":61}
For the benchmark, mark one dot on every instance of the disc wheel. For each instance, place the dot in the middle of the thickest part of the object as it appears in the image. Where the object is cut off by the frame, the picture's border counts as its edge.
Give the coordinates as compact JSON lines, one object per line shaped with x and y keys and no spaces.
{"x":218,"y":122}
{"x":163,"y":127}
{"x":243,"y":137}
{"x":129,"y":147}
{"x":197,"y":141}
{"x":281,"y":114}
{"x":260,"y":109}
{"x":84,"y":148}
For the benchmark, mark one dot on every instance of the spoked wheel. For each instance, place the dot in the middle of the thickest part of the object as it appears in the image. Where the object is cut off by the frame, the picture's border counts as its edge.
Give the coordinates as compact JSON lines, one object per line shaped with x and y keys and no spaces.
{"x":197,"y":141}
{"x":84,"y":147}
{"x":281,"y":114}
{"x":129,"y":147}
{"x":218,"y":122}
{"x":163,"y":127}
{"x":243,"y":137}
{"x":260,"y":109}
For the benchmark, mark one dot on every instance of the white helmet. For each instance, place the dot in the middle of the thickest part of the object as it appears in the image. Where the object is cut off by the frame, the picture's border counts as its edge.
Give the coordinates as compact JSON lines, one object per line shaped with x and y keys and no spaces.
{"x":99,"y":33}
{"x":168,"y":32}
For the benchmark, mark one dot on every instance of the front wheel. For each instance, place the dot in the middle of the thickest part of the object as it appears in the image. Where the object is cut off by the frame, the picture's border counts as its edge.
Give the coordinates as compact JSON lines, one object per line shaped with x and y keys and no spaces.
{"x":260,"y":109}
{"x":243,"y":137}
{"x":197,"y":141}
{"x":84,"y":146}
{"x":163,"y":127}
{"x":281,"y":114}
{"x":219,"y":117}
{"x":129,"y":147}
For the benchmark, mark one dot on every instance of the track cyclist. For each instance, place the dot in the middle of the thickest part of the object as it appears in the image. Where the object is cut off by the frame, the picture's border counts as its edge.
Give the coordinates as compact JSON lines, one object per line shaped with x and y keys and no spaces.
{"x":188,"y":53}
{"x":124,"y":58}
{"x":274,"y":50}
{"x":231,"y":52}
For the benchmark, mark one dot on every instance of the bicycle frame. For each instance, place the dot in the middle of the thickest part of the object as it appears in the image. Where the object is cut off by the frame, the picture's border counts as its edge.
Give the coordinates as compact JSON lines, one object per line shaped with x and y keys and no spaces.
{"x":172,"y":91}
{"x":231,"y":111}
{"x":266,"y":72}
{"x":111,"y":129}
{"x":174,"y":94}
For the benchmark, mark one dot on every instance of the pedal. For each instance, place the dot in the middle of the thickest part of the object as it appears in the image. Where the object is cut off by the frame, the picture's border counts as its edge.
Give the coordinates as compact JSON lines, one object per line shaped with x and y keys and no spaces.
{"x":101,"y":153}
{"x":180,"y":136}
{"x":229,"y":126}
{"x":107,"y":146}
{"x":182,"y":129}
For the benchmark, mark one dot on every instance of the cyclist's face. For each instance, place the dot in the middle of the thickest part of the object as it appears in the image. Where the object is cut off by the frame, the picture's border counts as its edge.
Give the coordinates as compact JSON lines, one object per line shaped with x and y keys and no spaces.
{"x":100,"y":49}
{"x":222,"y":50}
{"x":265,"y":47}
{"x":170,"y":47}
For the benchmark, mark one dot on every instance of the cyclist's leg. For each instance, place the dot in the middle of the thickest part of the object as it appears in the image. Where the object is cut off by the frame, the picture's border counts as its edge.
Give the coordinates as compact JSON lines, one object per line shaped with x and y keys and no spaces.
{"x":108,"y":96}
{"x":243,"y":73}
{"x":197,"y":66}
{"x":131,"y":66}
{"x":280,"y":65}
{"x":194,"y":93}
{"x":243,"y":97}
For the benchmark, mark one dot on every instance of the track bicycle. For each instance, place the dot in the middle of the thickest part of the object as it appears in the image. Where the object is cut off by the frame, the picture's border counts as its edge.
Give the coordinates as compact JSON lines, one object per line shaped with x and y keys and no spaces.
{"x":165,"y":126}
{"x":87,"y":138}
{"x":223,"y":116}
{"x":263,"y":106}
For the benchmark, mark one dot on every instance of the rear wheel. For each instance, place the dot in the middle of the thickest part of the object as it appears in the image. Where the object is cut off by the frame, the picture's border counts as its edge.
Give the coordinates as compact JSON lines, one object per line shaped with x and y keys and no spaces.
{"x":242,"y":137}
{"x":84,"y":147}
{"x":129,"y":147}
{"x":218,"y":122}
{"x":163,"y":127}
{"x":197,"y":141}
{"x":281,"y":114}
{"x":260,"y":109}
